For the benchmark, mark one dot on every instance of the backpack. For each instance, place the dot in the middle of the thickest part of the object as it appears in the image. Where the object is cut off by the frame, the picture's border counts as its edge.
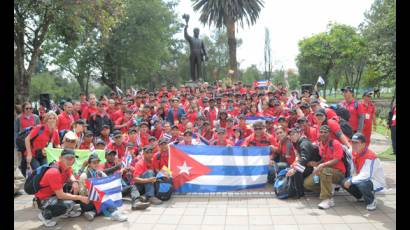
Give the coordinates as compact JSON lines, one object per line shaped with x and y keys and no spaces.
{"x":342,"y":112}
{"x":281,"y":185}
{"x":347,"y":160}
{"x":346,"y":128}
{"x":32,"y":184}
{"x":163,"y":188}
{"x":21,"y":138}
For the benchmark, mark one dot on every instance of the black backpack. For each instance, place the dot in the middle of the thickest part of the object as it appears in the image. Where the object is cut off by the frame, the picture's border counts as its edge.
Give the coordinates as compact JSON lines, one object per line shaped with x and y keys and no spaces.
{"x":346,"y":128}
{"x":347,"y":160}
{"x":32,"y":184}
{"x":163,"y":186}
{"x":21,"y":138}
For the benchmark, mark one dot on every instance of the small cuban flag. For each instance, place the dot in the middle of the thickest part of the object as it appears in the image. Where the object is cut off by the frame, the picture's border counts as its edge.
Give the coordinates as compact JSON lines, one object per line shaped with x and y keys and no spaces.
{"x":320,"y":80}
{"x":119,"y":90}
{"x":262,"y":83}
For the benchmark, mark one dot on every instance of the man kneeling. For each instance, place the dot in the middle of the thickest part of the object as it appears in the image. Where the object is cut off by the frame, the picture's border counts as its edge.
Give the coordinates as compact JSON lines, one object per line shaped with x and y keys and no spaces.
{"x":330,"y":170}
{"x":53,"y":201}
{"x":144,"y":176}
{"x":369,"y":173}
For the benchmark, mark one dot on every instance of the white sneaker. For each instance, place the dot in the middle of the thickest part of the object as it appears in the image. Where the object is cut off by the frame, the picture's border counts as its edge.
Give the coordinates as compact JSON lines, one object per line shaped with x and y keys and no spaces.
{"x":47,"y":223}
{"x":90,"y":215}
{"x":118,"y":216}
{"x":372,"y":206}
{"x":71,"y":214}
{"x":325,"y":204}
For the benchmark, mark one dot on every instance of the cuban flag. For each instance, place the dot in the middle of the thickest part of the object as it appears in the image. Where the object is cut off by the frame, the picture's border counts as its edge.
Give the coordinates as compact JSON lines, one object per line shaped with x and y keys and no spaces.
{"x":252,"y":119}
{"x":218,"y":168}
{"x":320,"y":80}
{"x":105,"y":191}
{"x":261,"y":83}
{"x":126,"y":162}
{"x":199,"y":140}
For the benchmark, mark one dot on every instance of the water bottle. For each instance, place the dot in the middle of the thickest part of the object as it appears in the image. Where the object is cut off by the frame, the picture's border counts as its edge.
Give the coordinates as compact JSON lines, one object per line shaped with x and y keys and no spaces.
{"x":316,"y":179}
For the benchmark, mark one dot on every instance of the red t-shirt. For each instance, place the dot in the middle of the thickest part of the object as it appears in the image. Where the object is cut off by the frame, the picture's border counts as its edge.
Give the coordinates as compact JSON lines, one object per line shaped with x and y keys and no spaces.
{"x":42,"y":140}
{"x":120,"y":148}
{"x":26,"y":121}
{"x":64,"y":121}
{"x":266,"y":140}
{"x":116,"y":115}
{"x":53,"y":180}
{"x":369,"y":111}
{"x":287,"y":147}
{"x":163,"y":160}
{"x":85,"y":145}
{"x":88,"y":111}
{"x":328,"y":154}
{"x":141,"y":167}
{"x":354,"y":113}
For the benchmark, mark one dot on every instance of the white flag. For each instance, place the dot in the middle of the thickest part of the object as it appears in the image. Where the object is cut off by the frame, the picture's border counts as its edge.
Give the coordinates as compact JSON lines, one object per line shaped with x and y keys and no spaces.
{"x":320,"y":80}
{"x":119,"y":90}
{"x":134,"y":92}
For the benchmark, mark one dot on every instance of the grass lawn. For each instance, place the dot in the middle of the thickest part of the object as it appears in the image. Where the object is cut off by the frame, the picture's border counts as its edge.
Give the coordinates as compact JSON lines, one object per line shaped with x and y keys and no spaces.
{"x":339,"y":97}
{"x":387,"y":155}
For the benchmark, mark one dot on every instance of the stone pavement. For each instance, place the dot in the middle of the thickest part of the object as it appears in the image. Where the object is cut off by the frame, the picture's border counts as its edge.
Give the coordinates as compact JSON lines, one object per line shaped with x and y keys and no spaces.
{"x":249,"y":209}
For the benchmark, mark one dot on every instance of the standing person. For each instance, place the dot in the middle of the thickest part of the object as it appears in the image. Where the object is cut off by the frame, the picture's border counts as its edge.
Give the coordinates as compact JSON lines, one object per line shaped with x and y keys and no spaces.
{"x":330,"y":169}
{"x":392,"y":125}
{"x":54,"y":199}
{"x":35,"y":154}
{"x":27,"y":118}
{"x":98,"y":119}
{"x":91,"y":108}
{"x":369,"y":110}
{"x":175,"y":113}
{"x":355,"y":109}
{"x":369,"y":173}
{"x":76,"y":110}
{"x":66,"y":118}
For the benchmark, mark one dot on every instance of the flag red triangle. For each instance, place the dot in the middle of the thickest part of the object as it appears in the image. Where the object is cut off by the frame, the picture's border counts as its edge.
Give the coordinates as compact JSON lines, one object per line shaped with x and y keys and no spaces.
{"x":179,"y":159}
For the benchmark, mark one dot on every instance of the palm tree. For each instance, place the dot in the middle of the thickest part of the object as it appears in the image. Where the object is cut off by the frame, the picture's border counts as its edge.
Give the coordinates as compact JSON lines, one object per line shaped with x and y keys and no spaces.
{"x":227,"y":13}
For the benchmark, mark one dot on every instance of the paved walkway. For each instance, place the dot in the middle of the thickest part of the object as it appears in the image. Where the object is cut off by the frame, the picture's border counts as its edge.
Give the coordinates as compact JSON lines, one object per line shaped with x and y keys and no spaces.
{"x":251,"y":209}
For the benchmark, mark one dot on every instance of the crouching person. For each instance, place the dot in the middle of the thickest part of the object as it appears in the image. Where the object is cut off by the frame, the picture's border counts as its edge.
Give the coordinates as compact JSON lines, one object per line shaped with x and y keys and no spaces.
{"x":330,"y":170}
{"x":144,"y":177}
{"x":54,"y":201}
{"x":89,"y":209}
{"x":370,"y":175}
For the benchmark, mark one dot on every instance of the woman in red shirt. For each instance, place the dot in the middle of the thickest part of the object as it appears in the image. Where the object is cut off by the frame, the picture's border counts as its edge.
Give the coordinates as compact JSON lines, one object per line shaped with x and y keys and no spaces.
{"x":27,"y":118}
{"x":35,"y":155}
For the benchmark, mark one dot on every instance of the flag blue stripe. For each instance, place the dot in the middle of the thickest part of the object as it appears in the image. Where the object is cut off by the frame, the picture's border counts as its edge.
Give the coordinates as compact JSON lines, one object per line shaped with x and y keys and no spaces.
{"x":104,"y":180}
{"x":238,"y":170}
{"x":251,"y":118}
{"x":187,"y":187}
{"x":224,"y":151}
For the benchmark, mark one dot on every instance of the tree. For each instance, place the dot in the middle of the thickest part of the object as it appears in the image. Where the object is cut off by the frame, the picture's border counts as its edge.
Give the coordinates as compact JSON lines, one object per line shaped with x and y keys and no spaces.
{"x":267,"y":55}
{"x":227,"y":13}
{"x":315,"y":58}
{"x":379,"y":30}
{"x":251,"y":74}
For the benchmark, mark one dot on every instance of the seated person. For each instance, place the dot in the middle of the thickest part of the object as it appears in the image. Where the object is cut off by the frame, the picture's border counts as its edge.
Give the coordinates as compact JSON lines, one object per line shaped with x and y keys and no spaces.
{"x":88,"y":140}
{"x":52,"y":199}
{"x":187,"y":138}
{"x":70,"y":140}
{"x":100,"y":144}
{"x":160,"y":158}
{"x":144,"y":177}
{"x":330,"y":169}
{"x":89,"y":210}
{"x":369,"y":173}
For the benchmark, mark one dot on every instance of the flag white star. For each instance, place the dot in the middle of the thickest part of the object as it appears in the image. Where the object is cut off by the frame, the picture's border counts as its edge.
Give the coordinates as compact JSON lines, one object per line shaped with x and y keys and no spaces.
{"x":184,"y":168}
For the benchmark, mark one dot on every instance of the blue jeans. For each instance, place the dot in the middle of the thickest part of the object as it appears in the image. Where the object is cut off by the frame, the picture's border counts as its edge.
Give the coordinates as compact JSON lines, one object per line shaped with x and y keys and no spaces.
{"x":363,"y":189}
{"x":149,"y":188}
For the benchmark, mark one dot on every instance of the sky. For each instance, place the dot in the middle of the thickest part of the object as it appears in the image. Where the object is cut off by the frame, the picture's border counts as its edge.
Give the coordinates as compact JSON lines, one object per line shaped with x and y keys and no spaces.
{"x":289,"y":21}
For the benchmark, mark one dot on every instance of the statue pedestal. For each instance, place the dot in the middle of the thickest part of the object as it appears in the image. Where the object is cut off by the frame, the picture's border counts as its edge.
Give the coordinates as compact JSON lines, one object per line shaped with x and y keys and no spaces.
{"x":193,"y":83}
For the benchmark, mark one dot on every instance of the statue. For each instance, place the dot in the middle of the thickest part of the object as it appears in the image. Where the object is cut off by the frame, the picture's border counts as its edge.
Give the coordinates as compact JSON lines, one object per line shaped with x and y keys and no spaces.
{"x":198,"y":52}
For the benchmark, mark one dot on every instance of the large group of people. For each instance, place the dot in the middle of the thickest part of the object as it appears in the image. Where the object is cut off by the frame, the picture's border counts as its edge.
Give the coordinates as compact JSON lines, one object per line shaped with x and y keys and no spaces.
{"x":144,"y":122}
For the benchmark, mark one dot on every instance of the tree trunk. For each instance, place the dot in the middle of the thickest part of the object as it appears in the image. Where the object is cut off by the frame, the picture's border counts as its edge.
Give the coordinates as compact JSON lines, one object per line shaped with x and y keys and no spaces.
{"x":230,"y":27}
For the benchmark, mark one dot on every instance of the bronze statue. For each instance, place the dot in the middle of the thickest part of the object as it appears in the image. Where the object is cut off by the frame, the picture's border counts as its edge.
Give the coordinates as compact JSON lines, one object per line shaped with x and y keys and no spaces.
{"x":198,"y":52}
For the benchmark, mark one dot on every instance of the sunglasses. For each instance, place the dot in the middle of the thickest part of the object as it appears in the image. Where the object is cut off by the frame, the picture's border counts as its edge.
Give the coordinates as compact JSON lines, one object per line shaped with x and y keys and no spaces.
{"x":323,"y":132}
{"x":70,"y":141}
{"x":258,"y":129}
{"x":29,"y":108}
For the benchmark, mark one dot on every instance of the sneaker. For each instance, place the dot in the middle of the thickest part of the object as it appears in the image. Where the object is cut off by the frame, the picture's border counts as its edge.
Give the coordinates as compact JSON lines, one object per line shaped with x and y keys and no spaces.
{"x":155,"y":201}
{"x":71,"y":214}
{"x":139,"y":205}
{"x":372,"y":206}
{"x":325,"y":204}
{"x":143,"y":199}
{"x":47,"y":223}
{"x":118,"y":216}
{"x":90,"y":215}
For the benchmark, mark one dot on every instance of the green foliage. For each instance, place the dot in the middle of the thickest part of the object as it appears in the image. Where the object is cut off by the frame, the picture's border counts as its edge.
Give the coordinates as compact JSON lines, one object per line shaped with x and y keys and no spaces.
{"x":59,"y":87}
{"x":251,"y":74}
{"x":379,"y":30}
